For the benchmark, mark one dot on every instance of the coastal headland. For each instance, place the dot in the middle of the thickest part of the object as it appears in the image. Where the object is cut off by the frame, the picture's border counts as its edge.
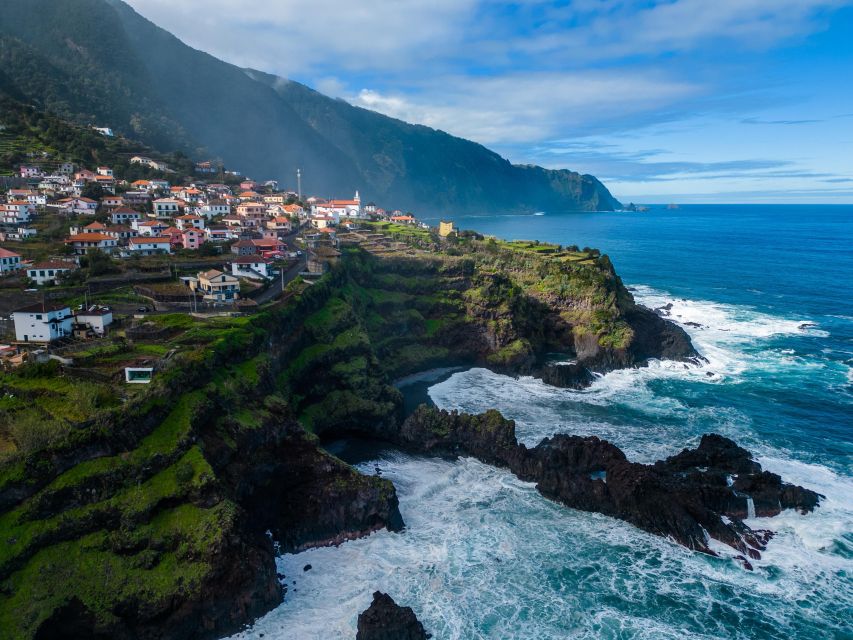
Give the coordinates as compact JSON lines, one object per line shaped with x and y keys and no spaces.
{"x":160,"y":513}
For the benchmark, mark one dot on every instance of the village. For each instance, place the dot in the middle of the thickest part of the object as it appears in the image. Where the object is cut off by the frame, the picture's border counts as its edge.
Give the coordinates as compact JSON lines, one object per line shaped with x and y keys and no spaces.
{"x":86,"y":255}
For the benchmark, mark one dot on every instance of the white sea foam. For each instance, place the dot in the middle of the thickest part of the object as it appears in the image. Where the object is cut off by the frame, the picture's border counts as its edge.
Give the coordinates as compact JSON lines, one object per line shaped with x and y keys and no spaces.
{"x":485,"y":556}
{"x":725,"y":333}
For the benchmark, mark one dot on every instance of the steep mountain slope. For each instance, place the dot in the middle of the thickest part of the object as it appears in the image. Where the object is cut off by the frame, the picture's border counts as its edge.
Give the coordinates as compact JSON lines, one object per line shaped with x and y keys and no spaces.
{"x":98,"y":61}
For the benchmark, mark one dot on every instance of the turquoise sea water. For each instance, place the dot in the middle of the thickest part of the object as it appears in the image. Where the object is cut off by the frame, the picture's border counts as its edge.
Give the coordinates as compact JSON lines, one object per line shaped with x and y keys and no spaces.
{"x":766,"y":291}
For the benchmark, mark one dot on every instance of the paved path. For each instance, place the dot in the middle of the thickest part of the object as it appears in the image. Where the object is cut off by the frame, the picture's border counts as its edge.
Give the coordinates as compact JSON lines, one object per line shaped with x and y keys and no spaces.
{"x":278,"y":285}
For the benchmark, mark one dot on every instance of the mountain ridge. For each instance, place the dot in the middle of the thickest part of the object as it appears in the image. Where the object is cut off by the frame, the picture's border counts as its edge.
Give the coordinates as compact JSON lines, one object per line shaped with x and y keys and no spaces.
{"x":99,"y":61}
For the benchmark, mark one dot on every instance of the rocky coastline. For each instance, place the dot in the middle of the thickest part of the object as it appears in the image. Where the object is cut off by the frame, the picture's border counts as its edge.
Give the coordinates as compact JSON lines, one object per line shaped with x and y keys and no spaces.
{"x":187,"y":497}
{"x":691,"y":497}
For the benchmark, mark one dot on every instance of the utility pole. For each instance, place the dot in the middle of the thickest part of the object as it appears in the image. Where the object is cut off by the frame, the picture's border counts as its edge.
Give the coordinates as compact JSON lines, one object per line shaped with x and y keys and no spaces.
{"x":299,"y":184}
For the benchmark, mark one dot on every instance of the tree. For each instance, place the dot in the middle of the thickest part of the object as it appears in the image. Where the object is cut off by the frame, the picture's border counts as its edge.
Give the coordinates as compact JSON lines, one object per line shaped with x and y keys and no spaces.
{"x":93,"y":191}
{"x":98,"y":263}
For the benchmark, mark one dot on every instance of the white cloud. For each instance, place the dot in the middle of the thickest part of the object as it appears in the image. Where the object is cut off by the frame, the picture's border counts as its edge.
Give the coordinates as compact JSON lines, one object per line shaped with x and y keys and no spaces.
{"x":301,"y":36}
{"x":522,"y":108}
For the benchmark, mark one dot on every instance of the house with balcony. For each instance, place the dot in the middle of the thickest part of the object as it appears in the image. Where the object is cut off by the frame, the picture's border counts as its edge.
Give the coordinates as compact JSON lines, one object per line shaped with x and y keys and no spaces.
{"x":166,"y":208}
{"x":214,"y":209}
{"x":189,"y":221}
{"x":125,"y":215}
{"x":149,"y":246}
{"x":16,"y":212}
{"x":83,"y":243}
{"x":80,"y":205}
{"x":216,"y":286}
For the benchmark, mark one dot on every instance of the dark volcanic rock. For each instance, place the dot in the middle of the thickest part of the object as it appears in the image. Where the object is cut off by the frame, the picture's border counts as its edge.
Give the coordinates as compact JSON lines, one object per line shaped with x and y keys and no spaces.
{"x":567,"y":376}
{"x":305,"y":496}
{"x":386,"y":620}
{"x":695,"y":495}
{"x":655,"y":337}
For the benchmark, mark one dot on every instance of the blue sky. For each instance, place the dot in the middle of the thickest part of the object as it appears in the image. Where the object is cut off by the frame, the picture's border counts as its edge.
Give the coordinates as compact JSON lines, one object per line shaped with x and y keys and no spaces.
{"x":683,"y":100}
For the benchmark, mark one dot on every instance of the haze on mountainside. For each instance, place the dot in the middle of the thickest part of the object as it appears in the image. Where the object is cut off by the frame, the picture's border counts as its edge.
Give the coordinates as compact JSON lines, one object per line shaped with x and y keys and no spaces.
{"x":99,"y":62}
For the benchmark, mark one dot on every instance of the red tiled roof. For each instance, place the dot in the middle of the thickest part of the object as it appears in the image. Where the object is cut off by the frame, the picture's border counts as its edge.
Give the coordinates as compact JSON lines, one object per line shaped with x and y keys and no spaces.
{"x":53,"y":264}
{"x":88,"y":237}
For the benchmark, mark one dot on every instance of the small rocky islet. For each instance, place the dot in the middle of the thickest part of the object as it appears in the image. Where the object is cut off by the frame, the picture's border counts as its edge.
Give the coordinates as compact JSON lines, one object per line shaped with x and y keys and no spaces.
{"x":158,"y":519}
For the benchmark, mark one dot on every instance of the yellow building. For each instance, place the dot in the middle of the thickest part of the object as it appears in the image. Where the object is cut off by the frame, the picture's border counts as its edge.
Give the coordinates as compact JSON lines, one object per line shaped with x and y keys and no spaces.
{"x":445,"y":228}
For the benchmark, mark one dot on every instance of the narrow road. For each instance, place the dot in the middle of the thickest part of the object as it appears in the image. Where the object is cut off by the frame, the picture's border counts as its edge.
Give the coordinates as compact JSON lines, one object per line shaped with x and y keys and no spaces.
{"x":278,"y":285}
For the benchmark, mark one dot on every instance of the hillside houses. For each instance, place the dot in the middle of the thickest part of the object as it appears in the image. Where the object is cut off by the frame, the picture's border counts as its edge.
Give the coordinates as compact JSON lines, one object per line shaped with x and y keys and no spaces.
{"x":251,"y":222}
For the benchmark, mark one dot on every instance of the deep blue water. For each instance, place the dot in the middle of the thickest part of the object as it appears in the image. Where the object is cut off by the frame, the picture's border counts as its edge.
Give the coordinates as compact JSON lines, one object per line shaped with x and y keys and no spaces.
{"x":766,"y":293}
{"x":789,"y":262}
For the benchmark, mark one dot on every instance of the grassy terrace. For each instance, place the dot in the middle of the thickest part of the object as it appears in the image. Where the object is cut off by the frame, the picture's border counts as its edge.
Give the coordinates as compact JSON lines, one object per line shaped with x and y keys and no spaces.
{"x":582,"y":278}
{"x":137,"y":512}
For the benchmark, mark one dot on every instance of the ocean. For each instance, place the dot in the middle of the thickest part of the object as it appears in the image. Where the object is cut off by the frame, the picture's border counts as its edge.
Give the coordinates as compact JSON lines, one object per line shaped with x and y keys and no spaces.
{"x":765,"y":293}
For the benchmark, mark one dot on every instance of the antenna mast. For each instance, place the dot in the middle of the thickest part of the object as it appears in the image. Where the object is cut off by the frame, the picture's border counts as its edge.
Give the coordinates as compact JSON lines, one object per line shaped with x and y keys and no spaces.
{"x":299,"y":184}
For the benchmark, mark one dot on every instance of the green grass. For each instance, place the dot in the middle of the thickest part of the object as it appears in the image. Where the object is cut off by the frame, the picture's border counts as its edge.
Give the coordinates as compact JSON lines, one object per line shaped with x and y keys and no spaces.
{"x":173,"y":559}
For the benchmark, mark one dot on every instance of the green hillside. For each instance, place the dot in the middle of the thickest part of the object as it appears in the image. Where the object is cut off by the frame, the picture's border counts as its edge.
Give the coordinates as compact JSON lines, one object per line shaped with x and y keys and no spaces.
{"x":99,"y":62}
{"x":30,"y":135}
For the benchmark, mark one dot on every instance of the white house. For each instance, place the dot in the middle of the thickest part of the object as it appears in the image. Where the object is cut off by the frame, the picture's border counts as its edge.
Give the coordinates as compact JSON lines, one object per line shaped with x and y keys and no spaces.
{"x":166,"y":208}
{"x":148,"y":246}
{"x":323,"y":221}
{"x":83,"y":243}
{"x":252,"y":267}
{"x":49,"y":272}
{"x":218,"y":234}
{"x":125,"y":215}
{"x":148,"y":162}
{"x":215,"y":208}
{"x":78,"y":205}
{"x":340,"y":208}
{"x":96,"y":318}
{"x":149,"y":227}
{"x":189,"y":221}
{"x":21,"y":233}
{"x":41,"y":322}
{"x":9,"y":261}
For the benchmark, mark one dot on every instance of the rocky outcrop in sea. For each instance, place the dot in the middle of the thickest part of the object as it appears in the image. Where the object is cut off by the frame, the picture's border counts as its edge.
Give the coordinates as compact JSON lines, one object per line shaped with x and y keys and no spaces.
{"x":692,"y":497}
{"x":386,"y":620}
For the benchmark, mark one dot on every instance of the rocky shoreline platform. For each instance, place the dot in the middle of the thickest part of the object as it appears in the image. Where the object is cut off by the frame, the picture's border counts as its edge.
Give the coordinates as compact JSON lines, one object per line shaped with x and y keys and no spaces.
{"x":692,"y":497}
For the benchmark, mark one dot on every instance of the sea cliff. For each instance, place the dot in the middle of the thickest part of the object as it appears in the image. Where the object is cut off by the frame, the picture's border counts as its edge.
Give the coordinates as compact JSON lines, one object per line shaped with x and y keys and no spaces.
{"x":159,"y":516}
